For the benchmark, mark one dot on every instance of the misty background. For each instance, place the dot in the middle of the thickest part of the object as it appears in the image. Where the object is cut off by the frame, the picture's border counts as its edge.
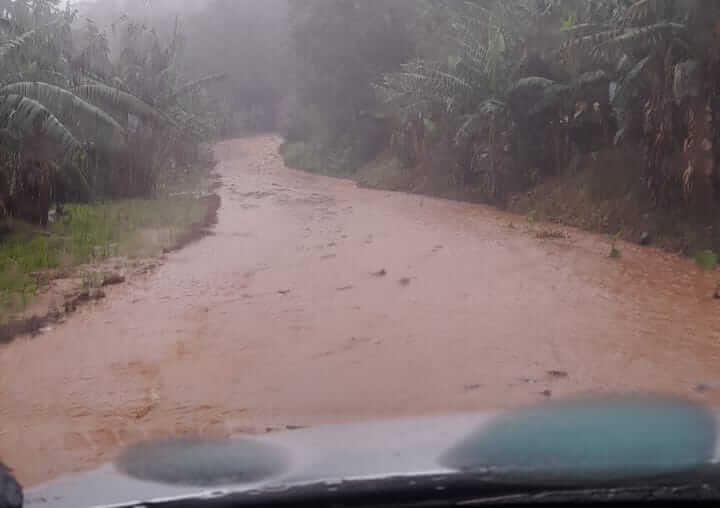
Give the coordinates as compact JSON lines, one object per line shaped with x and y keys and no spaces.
{"x":245,"y":39}
{"x":479,"y":99}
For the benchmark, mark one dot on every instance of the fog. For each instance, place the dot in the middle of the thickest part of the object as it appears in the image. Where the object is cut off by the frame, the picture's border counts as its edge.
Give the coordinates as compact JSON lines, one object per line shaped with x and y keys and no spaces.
{"x":245,"y":39}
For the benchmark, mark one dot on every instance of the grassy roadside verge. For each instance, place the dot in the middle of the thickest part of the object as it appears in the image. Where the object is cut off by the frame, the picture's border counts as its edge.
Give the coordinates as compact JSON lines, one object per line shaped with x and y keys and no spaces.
{"x":92,"y":233}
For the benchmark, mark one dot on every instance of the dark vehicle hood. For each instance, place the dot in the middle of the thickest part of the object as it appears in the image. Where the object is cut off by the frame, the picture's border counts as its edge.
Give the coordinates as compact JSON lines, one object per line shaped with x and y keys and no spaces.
{"x":628,"y":442}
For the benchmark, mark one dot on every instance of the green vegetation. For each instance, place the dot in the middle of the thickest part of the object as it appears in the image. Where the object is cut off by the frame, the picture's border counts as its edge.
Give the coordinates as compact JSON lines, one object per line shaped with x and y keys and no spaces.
{"x":99,"y":124}
{"x":341,"y":48}
{"x":91,"y":233}
{"x":706,"y":259}
{"x":79,"y":122}
{"x":614,"y":104}
{"x":311,"y":157}
{"x":615,"y":252}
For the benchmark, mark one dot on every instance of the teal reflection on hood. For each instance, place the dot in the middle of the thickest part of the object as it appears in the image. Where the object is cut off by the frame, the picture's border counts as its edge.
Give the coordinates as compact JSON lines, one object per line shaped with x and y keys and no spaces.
{"x":598,"y":437}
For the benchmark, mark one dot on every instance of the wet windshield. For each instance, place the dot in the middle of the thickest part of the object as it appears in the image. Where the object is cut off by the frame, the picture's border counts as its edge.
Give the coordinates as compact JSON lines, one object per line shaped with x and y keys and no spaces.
{"x":238,"y":217}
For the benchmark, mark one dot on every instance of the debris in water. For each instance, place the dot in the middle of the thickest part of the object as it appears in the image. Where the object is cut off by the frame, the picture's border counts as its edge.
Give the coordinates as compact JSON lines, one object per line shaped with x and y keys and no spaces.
{"x":381,"y":273}
{"x":98,"y":294}
{"x":284,"y":292}
{"x":142,"y":412}
{"x":702,"y":388}
{"x":113,"y":279}
{"x":546,"y":393}
{"x":552,"y":235}
{"x":706,"y":387}
{"x":405,"y":281}
{"x":472,"y":387}
{"x":558,"y":374}
{"x":345,"y":288}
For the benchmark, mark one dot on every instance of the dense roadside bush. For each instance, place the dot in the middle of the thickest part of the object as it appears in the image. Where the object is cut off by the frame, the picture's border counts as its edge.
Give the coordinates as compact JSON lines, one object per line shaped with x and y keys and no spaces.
{"x":533,"y":86}
{"x":78,"y":121}
{"x":498,"y":97}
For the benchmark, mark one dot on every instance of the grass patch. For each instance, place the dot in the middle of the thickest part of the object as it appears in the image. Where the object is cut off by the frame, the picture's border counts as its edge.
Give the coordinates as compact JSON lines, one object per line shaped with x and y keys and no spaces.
{"x":319,"y":158}
{"x":308,"y":156}
{"x":615,"y":252}
{"x":706,"y":259}
{"x":87,"y":233}
{"x":384,"y":173}
{"x":298,"y":155}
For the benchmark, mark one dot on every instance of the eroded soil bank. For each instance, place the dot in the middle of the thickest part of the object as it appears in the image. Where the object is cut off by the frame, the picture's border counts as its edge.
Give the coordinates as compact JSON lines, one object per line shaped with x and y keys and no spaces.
{"x":316,"y":301}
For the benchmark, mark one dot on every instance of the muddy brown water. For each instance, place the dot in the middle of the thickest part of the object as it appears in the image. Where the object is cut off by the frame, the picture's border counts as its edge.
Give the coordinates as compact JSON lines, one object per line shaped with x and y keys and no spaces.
{"x":316,"y":301}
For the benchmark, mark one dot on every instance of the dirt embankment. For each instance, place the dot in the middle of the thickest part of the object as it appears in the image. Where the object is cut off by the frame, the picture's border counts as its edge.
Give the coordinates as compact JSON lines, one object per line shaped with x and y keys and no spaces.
{"x":315,"y":301}
{"x":600,"y":193}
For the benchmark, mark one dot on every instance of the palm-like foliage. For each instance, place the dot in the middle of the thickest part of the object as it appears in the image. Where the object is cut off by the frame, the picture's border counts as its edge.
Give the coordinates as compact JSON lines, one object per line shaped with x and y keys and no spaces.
{"x":547,"y":74}
{"x":472,"y":90}
{"x":28,"y":121}
{"x":15,"y":49}
{"x":78,"y":115}
{"x":665,"y":50}
{"x":121,"y":101}
{"x":77,"y":109}
{"x":197,"y":84}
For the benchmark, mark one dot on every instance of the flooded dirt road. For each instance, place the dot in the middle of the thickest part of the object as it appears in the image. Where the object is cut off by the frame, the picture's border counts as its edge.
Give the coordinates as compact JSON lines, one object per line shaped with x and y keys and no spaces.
{"x":316,"y":301}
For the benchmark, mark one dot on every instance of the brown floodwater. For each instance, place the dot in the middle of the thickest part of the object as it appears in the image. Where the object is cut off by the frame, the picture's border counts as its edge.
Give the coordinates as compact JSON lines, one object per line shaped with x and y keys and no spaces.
{"x":316,"y":301}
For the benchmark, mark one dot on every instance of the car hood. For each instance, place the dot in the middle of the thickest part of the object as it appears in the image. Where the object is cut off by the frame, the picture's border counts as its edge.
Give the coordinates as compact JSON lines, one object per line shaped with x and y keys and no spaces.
{"x":597,"y":441}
